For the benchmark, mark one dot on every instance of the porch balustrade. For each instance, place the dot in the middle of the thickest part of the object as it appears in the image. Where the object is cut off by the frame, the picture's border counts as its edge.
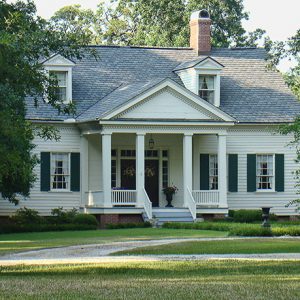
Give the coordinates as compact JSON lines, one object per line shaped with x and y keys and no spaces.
{"x":123,"y":197}
{"x":206,"y":198}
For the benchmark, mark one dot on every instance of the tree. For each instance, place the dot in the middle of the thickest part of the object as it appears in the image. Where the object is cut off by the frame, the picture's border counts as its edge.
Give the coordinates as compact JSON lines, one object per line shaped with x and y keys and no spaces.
{"x":161,"y":23}
{"x":25,"y":40}
{"x":166,"y":23}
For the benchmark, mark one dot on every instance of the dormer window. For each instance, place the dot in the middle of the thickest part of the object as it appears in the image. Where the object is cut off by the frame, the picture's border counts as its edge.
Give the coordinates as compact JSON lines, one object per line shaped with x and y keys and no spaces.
{"x":62,"y":84}
{"x":60,"y":68}
{"x":207,"y":88}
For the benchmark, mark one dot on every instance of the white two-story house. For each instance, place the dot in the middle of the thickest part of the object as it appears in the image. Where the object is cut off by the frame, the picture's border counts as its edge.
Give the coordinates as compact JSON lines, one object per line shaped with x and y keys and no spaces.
{"x":200,"y":118}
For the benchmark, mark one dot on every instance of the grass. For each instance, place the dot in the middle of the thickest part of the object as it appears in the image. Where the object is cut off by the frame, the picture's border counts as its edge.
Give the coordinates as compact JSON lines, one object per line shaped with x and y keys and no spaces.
{"x":31,"y":241}
{"x":212,"y":279}
{"x":244,"y":246}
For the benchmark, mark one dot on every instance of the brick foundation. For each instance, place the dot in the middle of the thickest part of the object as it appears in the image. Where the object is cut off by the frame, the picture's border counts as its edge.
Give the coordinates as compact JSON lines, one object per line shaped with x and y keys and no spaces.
{"x":118,"y":218}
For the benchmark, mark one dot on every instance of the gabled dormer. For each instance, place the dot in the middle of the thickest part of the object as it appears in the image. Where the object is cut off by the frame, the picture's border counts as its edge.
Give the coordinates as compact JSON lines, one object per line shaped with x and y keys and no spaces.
{"x":61,"y":68}
{"x":202,"y":76}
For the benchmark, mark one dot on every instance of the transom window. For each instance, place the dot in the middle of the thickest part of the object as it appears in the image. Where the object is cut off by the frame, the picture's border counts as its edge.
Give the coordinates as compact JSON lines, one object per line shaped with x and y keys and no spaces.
{"x":264,"y":171}
{"x":60,"y":171}
{"x":61,"y":89}
{"x":207,"y":88}
{"x":213,"y":172}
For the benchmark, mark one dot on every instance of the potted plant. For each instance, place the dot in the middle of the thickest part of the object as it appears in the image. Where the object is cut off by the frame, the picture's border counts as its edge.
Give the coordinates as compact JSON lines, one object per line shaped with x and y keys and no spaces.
{"x":169,"y":191}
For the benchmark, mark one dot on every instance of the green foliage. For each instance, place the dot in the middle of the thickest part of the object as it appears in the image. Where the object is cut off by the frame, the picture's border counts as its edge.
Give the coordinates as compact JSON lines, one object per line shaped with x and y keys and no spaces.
{"x":29,"y":220}
{"x":248,"y":215}
{"x":61,"y":216}
{"x":161,"y":23}
{"x":239,"y":229}
{"x":25,"y":41}
{"x":85,"y":219}
{"x":26,"y":216}
{"x":128,"y":225}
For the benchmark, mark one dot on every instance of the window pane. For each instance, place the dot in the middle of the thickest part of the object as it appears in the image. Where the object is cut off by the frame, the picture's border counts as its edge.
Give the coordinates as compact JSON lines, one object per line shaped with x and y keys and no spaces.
{"x":60,"y":171}
{"x":207,"y":95}
{"x":264,"y":172}
{"x":206,"y":82}
{"x":213,"y":172}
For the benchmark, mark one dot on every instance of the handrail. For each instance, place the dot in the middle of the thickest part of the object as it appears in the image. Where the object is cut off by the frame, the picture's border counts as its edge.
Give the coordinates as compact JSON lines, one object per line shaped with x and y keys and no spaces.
{"x":147,"y":205}
{"x":191,"y":204}
{"x":123,"y":197}
{"x":206,"y":197}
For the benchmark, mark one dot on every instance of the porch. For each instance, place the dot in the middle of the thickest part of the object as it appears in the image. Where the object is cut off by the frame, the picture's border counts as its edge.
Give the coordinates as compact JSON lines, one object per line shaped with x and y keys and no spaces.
{"x":126,"y":170}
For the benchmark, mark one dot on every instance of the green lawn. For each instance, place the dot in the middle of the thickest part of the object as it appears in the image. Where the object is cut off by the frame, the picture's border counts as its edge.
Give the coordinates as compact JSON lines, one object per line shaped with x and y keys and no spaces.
{"x":29,"y":241}
{"x":211,"y":279}
{"x":244,"y":246}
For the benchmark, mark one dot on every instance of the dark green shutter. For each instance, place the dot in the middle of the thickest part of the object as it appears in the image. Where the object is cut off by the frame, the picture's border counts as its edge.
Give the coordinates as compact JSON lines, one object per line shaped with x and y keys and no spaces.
{"x":233,"y":173}
{"x":75,"y":172}
{"x":279,"y":172}
{"x":251,"y":172}
{"x":45,"y":171}
{"x":204,"y":171}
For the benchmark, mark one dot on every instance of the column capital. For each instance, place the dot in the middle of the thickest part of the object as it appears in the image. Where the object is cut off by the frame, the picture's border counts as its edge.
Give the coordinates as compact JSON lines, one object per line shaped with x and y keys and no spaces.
{"x":106,"y":133}
{"x":222,"y":133}
{"x":188,"y":134}
{"x":141,"y":133}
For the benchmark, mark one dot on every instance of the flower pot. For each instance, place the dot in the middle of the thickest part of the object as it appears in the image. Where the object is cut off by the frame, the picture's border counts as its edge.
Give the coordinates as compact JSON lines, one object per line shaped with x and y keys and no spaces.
{"x":169,"y":198}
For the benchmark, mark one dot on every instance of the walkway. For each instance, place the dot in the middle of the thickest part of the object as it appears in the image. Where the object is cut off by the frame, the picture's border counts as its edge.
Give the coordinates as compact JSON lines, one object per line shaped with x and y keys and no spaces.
{"x":98,"y":253}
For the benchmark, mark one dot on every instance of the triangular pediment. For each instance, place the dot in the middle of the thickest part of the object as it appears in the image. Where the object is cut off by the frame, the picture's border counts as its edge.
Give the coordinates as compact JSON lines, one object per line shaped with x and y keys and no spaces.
{"x":209,"y":64}
{"x":58,"y":60}
{"x":168,"y":101}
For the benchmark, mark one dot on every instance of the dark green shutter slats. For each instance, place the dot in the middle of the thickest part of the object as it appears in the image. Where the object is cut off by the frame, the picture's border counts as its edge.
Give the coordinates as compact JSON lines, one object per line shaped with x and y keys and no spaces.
{"x":251,"y":172}
{"x":279,"y":172}
{"x":75,"y":172}
{"x":233,"y":173}
{"x":45,"y":171}
{"x":204,"y":171}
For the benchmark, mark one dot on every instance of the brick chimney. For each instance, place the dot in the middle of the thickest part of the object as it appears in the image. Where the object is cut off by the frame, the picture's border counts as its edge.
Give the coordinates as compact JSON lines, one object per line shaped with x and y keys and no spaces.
{"x":200,"y":31}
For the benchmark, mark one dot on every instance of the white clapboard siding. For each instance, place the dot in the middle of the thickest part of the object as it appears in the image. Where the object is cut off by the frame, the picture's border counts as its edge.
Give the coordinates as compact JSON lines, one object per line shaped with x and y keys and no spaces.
{"x":45,"y":201}
{"x":243,"y":140}
{"x":167,"y":104}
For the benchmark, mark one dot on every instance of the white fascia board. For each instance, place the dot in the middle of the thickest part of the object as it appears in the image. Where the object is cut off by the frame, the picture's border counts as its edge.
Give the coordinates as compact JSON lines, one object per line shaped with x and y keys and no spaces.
{"x":164,"y":123}
{"x":58,"y":60}
{"x":181,"y":90}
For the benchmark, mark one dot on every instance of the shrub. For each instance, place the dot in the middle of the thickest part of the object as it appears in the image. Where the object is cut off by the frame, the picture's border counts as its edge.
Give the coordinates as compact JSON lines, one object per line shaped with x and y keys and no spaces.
{"x":287,"y":230}
{"x":60,"y":216}
{"x":26,"y":216}
{"x":85,"y":219}
{"x":128,"y":225}
{"x":248,"y":215}
{"x":250,"y":230}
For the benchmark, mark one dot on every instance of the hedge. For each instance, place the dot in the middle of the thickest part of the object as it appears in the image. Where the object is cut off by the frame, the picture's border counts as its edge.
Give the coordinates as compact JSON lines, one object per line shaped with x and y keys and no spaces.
{"x":128,"y":225}
{"x":248,"y":215}
{"x":239,"y":229}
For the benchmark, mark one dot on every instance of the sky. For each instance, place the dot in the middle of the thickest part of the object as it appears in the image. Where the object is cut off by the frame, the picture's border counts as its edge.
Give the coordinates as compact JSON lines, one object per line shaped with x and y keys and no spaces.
{"x":279,"y":19}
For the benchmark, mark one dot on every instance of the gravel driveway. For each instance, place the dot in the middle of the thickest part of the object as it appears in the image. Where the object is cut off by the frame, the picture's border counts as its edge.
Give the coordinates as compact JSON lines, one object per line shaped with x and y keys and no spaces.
{"x":100,"y":253}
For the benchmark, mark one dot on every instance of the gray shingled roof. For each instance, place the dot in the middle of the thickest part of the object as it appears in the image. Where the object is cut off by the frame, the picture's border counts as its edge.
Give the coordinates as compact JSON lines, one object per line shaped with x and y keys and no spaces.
{"x":249,"y":92}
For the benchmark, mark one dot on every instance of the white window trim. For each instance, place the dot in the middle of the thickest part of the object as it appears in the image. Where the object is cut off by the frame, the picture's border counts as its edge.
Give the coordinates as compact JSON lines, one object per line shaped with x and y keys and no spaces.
{"x":69,"y":165}
{"x":68,"y":80}
{"x":273,"y":177}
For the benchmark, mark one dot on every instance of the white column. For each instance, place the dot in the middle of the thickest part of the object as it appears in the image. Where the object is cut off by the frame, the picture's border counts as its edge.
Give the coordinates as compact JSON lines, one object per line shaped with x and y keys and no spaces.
{"x":84,"y":174}
{"x":106,"y":168}
{"x":187,"y":165}
{"x":140,"y":167}
{"x":222,"y":171}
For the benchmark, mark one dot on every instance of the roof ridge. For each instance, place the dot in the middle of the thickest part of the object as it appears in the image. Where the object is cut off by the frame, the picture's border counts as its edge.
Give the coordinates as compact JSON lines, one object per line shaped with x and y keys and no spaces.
{"x":140,"y":47}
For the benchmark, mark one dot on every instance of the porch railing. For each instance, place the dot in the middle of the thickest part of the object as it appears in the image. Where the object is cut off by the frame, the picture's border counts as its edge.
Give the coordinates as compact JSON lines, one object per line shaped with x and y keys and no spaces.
{"x":123,"y":197}
{"x":191,"y":204}
{"x":147,"y":205}
{"x":206,"y":198}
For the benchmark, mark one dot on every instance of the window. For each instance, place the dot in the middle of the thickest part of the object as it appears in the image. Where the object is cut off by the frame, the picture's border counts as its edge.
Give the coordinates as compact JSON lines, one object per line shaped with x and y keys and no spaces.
{"x":165,"y":173}
{"x":207,"y":88}
{"x":264,"y":171}
{"x":61,"y":90}
{"x":60,"y":171}
{"x":213,"y":172}
{"x":151,"y":153}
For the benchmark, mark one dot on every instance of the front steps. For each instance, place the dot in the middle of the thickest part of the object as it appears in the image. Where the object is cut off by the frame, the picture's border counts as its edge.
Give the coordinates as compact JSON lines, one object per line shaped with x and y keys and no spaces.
{"x":171,"y":214}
